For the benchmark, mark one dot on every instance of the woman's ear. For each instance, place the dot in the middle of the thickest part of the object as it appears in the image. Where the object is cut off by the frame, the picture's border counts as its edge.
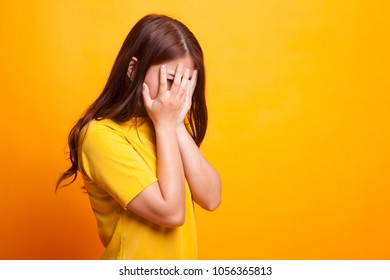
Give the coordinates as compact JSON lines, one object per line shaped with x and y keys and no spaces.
{"x":132,"y":67}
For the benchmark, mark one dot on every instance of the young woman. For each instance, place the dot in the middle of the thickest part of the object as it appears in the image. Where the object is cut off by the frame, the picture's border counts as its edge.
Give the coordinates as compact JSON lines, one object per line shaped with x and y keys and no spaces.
{"x":137,"y":146}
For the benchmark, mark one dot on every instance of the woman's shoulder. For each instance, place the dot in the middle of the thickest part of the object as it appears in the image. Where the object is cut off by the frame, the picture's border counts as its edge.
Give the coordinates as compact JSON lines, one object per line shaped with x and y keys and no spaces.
{"x":108,"y":130}
{"x":100,"y":133}
{"x":102,"y":125}
{"x":97,"y":128}
{"x":124,"y":129}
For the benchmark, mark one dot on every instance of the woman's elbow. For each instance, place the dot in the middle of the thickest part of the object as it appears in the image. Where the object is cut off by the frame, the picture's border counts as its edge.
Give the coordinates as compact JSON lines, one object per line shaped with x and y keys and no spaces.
{"x":217,"y":197}
{"x":173,"y":220}
{"x":211,"y":202}
{"x":213,"y":205}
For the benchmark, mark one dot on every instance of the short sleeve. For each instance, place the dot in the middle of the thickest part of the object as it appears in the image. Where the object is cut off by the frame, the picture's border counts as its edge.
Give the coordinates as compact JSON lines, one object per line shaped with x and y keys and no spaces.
{"x":112,"y":163}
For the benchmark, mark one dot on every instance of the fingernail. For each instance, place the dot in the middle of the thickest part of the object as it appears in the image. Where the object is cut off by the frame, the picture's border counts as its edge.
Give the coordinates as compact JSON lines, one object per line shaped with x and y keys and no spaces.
{"x":163,"y":67}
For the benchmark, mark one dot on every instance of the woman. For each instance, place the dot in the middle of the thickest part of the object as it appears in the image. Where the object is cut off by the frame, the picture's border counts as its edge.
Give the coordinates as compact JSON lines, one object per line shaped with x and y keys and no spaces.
{"x":137,"y":145}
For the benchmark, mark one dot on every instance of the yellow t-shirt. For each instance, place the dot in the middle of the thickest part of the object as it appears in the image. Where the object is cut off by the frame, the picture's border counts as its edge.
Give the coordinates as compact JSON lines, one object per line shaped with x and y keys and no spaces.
{"x":117,"y":162}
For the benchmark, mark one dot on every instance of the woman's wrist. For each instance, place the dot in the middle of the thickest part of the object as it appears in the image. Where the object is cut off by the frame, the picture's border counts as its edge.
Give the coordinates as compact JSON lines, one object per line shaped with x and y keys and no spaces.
{"x":181,"y":128}
{"x":164,"y":126}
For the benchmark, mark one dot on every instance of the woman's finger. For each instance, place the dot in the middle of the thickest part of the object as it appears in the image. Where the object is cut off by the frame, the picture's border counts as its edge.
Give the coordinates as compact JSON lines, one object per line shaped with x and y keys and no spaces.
{"x":194,"y":79}
{"x":177,"y":80}
{"x":183,"y":90}
{"x":163,"y":80}
{"x":146,"y":95}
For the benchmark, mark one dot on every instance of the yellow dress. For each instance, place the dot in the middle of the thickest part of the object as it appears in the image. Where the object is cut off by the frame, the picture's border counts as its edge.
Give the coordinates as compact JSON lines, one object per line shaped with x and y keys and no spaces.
{"x":117,"y":162}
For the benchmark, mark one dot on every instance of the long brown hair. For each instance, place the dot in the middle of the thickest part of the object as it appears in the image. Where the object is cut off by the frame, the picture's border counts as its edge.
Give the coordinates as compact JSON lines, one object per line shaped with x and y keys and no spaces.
{"x":154,"y":39}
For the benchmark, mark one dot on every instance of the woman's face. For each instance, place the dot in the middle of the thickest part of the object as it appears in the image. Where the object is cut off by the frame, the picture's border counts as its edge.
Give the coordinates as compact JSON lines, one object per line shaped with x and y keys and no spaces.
{"x":153,"y":74}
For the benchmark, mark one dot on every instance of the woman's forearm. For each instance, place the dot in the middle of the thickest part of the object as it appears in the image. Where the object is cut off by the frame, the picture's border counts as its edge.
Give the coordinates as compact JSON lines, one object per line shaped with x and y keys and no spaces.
{"x":170,"y":171}
{"x":204,"y":180}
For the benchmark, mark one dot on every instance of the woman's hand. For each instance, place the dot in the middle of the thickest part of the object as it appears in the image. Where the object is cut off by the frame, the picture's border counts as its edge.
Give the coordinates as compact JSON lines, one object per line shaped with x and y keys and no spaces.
{"x":166,"y":107}
{"x":188,"y":98}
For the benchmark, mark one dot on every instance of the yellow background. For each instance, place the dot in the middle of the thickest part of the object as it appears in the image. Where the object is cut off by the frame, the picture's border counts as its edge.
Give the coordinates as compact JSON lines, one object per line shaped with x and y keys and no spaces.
{"x":298,"y":95}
